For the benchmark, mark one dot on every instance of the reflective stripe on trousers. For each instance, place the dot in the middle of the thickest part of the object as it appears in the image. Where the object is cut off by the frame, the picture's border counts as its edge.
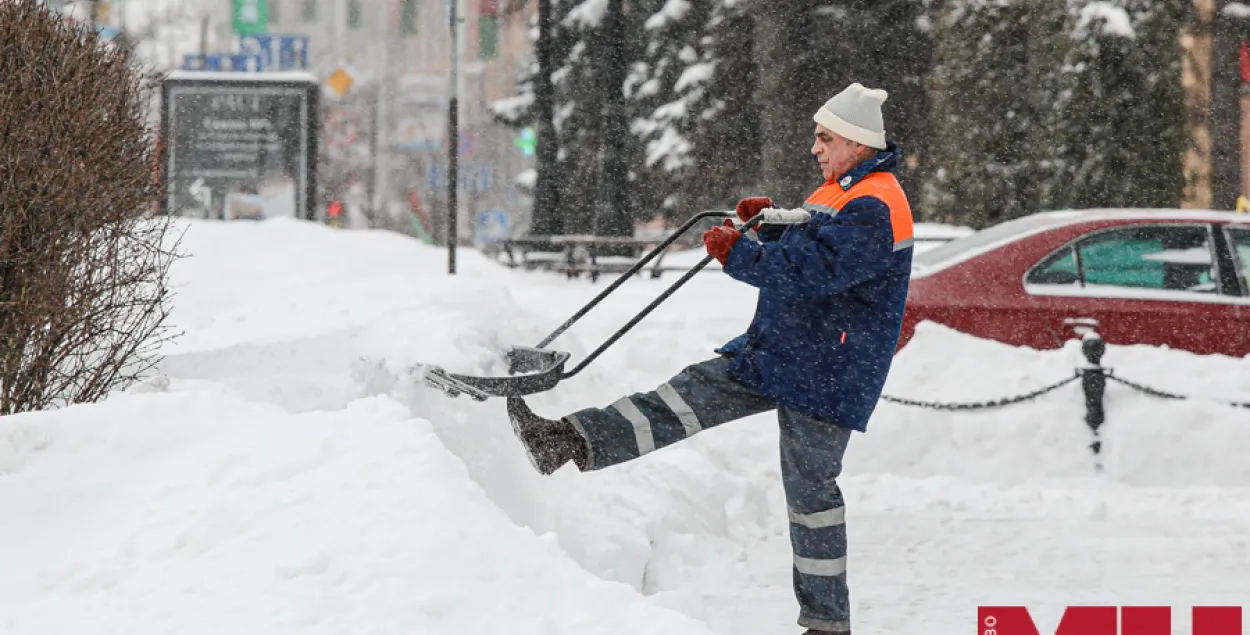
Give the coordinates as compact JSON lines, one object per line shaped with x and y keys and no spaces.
{"x":703,"y":396}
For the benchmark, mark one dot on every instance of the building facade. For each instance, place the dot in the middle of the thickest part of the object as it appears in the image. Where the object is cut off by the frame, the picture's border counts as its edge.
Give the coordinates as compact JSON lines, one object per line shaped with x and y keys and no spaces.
{"x":398,"y":56}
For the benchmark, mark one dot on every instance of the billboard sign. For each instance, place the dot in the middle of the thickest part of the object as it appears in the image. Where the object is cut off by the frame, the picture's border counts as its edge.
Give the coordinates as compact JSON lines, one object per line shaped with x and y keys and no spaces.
{"x":239,"y":140}
{"x":224,"y":62}
{"x":277,"y":52}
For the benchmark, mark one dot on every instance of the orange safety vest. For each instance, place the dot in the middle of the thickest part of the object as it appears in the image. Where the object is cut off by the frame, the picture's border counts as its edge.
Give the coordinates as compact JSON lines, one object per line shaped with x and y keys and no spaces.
{"x":830,"y":198}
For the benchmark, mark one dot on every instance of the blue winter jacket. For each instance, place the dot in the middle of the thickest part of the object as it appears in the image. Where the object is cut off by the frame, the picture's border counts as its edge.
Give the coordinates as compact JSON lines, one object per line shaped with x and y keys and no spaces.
{"x":831,"y":297}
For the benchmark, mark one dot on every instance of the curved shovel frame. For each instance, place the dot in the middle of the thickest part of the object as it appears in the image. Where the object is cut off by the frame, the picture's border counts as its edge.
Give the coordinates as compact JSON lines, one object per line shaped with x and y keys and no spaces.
{"x":536,"y":369}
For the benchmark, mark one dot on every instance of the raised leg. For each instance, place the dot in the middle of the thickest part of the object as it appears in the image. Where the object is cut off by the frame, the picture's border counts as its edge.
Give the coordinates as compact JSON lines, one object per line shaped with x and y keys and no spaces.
{"x":701,"y":396}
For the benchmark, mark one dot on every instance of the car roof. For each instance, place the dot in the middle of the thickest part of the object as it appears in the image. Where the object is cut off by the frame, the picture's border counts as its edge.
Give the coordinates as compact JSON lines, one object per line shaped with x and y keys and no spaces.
{"x":995,"y":236}
{"x":1065,"y":217}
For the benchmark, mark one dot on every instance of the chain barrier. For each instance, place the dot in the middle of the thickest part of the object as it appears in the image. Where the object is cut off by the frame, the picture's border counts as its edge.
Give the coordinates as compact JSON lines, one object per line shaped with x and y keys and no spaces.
{"x":1008,"y":401}
{"x":983,"y":405}
{"x":1154,"y":392}
{"x":1093,"y":378}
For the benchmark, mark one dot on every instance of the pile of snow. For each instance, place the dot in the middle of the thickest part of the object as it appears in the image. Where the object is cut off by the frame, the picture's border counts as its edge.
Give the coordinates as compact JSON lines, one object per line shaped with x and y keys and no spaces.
{"x":1237,"y":10}
{"x":201,"y":512}
{"x":286,"y":474}
{"x":1115,"y":21}
{"x":588,"y":14}
{"x":672,"y":11}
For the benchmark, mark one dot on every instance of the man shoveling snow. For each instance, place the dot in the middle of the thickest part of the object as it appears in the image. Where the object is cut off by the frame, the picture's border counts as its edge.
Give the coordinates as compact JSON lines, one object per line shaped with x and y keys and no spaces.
{"x":818,"y":350}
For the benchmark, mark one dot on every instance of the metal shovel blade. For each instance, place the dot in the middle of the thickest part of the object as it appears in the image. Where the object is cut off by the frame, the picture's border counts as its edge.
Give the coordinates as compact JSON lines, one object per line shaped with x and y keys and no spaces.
{"x":532,"y":370}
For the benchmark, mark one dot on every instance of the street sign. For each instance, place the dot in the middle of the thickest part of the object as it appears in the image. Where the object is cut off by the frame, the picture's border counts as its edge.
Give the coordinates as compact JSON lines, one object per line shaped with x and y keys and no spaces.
{"x":251,"y":17}
{"x":492,"y":226}
{"x":278,"y":52}
{"x":340,"y":81}
{"x":473,"y":176}
{"x":223,"y":62}
{"x":243,"y":137}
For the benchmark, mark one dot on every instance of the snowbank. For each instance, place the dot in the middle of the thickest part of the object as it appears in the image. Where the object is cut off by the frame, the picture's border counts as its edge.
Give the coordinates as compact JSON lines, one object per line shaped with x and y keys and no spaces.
{"x":200,"y":512}
{"x":289,"y":475}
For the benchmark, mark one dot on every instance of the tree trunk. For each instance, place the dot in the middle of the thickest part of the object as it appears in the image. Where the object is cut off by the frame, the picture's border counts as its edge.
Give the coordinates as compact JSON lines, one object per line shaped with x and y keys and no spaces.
{"x":615,"y":218}
{"x":1226,"y":113}
{"x":786,"y":99}
{"x":1196,"y":79}
{"x":546,"y":219}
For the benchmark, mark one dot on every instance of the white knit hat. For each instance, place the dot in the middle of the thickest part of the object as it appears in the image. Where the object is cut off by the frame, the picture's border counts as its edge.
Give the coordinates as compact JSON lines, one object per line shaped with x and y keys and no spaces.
{"x":855,"y":113}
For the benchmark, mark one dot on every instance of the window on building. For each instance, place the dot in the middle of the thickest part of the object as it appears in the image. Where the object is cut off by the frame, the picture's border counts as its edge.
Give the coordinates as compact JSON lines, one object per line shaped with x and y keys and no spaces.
{"x":355,"y":14}
{"x":487,"y":37}
{"x":408,"y":17}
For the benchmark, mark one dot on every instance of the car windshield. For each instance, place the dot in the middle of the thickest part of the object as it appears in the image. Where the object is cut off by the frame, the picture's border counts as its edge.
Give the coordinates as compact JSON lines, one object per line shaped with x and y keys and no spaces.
{"x":987,"y":236}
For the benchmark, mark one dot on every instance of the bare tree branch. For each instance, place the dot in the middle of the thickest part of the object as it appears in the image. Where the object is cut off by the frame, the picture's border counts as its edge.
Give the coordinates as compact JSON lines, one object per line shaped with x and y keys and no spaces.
{"x":83,"y":265}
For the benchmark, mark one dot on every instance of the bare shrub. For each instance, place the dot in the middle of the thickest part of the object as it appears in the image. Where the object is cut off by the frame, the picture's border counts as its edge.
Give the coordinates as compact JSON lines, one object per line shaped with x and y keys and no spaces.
{"x":84,"y":262}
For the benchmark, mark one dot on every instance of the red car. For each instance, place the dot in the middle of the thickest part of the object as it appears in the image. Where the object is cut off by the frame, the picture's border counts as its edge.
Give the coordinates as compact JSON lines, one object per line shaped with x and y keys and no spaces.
{"x":1175,"y":278}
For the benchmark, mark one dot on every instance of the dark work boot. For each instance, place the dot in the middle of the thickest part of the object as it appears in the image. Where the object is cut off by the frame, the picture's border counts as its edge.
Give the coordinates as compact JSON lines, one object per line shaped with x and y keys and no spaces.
{"x":549,"y":444}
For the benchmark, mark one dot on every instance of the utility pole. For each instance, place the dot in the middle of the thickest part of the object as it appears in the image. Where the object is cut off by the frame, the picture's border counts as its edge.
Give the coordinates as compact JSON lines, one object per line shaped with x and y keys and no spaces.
{"x":204,"y":35}
{"x":381,"y":116}
{"x":453,"y":140}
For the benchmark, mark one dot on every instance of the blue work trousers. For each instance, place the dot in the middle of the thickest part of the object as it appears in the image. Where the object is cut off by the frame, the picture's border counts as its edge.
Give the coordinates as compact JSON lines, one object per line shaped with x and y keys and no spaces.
{"x":704,"y":395}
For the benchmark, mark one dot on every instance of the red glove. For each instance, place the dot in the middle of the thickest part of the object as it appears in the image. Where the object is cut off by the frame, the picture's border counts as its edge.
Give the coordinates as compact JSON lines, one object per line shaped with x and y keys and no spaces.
{"x":749,"y":208}
{"x":720,"y":240}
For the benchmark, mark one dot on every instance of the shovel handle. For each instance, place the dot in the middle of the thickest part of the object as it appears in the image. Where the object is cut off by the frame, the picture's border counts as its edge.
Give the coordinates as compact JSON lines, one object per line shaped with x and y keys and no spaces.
{"x":768,"y":216}
{"x":651,"y":307}
{"x":631,"y":271}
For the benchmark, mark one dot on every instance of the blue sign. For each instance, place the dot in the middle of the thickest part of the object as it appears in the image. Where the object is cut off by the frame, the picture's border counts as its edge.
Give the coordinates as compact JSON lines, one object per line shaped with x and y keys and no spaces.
{"x":277,"y":52}
{"x":470,"y":176}
{"x":492,"y":225}
{"x":224,"y":62}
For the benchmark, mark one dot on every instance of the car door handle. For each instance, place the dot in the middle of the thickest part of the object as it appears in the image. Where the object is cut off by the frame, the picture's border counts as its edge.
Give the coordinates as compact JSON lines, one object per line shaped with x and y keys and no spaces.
{"x":1082,"y":326}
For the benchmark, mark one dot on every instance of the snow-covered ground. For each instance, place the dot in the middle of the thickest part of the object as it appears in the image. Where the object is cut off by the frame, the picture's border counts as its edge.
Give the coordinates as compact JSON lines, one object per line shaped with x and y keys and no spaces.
{"x":284,"y":476}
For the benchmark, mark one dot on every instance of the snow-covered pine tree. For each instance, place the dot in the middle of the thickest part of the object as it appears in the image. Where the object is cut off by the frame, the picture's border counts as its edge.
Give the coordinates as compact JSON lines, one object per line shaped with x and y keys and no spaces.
{"x":584,"y":110}
{"x":590,"y":39}
{"x":794,"y":58}
{"x":727,"y":140}
{"x":662,"y":91}
{"x":881,"y":44}
{"x":694,"y":88}
{"x":1117,"y":118}
{"x":672,"y":34}
{"x":983,"y":166}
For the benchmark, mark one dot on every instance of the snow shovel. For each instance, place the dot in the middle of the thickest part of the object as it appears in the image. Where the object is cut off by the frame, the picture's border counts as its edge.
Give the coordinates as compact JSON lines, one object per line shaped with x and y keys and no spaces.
{"x":538,"y":369}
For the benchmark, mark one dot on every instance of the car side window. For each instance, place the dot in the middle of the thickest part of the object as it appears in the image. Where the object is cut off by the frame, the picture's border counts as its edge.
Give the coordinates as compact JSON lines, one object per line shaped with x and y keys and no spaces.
{"x":1173,"y":257}
{"x":1059,"y":268}
{"x":1241,"y":244}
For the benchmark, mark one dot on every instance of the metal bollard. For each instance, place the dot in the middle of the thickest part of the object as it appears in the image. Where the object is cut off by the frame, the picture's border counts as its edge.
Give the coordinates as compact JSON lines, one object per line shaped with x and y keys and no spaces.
{"x":1094,"y":383}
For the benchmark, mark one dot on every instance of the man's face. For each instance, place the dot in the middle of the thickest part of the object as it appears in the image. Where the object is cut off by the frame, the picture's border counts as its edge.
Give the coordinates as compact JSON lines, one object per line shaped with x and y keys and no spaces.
{"x":836,"y":154}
